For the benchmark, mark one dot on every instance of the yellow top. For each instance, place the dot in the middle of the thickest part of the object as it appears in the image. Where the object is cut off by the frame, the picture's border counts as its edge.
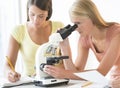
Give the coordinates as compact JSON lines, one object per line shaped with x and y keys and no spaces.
{"x":27,"y":47}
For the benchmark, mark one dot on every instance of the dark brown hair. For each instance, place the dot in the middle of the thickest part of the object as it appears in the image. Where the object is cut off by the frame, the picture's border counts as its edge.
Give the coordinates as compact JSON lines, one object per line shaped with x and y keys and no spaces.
{"x":42,"y":4}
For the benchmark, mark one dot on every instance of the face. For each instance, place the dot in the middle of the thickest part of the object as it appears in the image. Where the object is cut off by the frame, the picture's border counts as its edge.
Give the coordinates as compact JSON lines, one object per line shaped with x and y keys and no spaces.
{"x":37,"y":16}
{"x":85,"y":25}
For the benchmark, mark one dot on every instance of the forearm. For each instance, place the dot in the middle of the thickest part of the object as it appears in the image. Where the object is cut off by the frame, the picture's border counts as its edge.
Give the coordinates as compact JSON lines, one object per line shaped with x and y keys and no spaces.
{"x":69,"y":65}
{"x":70,"y":75}
{"x":7,"y":69}
{"x":66,"y":51}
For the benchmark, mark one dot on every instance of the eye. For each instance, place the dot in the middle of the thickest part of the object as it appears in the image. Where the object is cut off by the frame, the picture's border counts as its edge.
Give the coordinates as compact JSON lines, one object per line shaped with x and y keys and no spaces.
{"x":41,"y":16}
{"x":77,"y":23}
{"x":31,"y":14}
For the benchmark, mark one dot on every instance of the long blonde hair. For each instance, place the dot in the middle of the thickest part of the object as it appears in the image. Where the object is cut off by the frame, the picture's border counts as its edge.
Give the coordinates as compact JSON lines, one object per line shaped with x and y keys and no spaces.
{"x":88,"y":8}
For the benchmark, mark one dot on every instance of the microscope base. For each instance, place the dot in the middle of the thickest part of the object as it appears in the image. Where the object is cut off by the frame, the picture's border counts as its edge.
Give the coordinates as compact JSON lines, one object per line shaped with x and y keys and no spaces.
{"x":50,"y":82}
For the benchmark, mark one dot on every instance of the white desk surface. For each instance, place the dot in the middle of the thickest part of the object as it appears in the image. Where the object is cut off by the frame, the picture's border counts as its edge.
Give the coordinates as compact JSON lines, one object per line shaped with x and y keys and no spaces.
{"x":71,"y":84}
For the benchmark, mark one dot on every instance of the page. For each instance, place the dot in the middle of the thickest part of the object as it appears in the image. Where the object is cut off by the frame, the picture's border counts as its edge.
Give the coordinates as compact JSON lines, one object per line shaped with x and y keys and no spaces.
{"x":93,"y":76}
{"x":24,"y":80}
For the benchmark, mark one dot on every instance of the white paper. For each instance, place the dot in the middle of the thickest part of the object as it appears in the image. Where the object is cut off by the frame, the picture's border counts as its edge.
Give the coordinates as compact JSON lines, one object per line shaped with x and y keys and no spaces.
{"x":23,"y":80}
{"x":93,"y":76}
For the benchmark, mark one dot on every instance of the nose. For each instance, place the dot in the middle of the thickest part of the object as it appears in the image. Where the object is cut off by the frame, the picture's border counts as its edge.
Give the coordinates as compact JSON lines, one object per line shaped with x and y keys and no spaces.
{"x":77,"y":28}
{"x":36,"y":19}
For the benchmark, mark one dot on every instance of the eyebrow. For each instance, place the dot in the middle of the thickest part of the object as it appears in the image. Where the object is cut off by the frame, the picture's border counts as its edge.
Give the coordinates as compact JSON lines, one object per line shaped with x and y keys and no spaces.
{"x":39,"y":13}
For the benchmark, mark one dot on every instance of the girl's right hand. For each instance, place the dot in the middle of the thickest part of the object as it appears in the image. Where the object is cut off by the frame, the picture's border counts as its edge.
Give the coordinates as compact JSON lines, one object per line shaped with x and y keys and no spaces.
{"x":13,"y":76}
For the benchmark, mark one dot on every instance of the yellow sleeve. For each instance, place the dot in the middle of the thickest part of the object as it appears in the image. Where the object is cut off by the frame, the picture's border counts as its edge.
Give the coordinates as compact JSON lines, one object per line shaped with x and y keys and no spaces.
{"x":56,"y":25}
{"x":18,"y":33}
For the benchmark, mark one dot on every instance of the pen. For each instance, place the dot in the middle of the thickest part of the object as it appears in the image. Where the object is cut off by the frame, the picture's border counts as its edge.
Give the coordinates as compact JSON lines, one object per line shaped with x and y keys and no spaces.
{"x":86,"y":84}
{"x":10,"y":63}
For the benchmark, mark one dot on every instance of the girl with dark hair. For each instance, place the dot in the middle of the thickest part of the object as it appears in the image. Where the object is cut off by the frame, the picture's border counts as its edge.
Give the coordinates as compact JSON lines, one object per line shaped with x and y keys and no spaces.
{"x":27,"y":37}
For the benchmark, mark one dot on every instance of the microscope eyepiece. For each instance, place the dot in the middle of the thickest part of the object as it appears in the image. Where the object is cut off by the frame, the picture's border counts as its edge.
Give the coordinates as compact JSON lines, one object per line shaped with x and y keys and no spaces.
{"x":66,"y":31}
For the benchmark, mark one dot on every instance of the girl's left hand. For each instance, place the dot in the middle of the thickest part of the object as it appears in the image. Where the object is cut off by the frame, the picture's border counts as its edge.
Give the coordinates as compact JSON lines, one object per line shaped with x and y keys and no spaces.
{"x":56,"y":72}
{"x":115,"y":83}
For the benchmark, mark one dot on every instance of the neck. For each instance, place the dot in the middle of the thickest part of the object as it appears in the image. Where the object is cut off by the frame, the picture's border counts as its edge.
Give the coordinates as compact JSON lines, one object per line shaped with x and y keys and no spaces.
{"x":98,"y":34}
{"x":38,"y":27}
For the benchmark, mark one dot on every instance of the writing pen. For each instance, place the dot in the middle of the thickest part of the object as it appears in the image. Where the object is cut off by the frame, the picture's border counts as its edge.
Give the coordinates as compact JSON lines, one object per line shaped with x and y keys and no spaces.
{"x":10,"y":63}
{"x":86,"y":84}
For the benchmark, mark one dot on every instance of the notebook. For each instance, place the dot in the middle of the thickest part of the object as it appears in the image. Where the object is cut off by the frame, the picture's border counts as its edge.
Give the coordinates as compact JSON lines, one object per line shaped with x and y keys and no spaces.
{"x":93,"y":76}
{"x":24,"y":80}
{"x":99,"y":81}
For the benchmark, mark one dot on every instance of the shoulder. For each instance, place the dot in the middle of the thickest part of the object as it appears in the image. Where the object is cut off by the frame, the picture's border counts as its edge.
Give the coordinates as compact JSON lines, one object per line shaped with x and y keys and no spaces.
{"x":18,"y":32}
{"x":113,"y":30}
{"x":56,"y":25}
{"x":18,"y":28}
{"x":115,"y":26}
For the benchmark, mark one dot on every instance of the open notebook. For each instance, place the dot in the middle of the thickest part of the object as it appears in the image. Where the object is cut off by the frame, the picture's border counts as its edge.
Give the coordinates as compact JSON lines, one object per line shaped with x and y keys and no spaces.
{"x":98,"y":80}
{"x":25,"y":80}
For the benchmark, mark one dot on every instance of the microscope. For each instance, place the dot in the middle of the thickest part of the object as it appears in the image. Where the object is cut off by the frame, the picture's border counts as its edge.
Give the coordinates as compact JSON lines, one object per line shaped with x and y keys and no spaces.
{"x":49,"y":54}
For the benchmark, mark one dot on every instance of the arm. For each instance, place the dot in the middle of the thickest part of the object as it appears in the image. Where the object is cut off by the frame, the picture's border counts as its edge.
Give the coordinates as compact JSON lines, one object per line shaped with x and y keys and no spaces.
{"x":70,"y":68}
{"x":81,"y":59}
{"x":82,"y":55}
{"x":111,"y":56}
{"x":12,"y":53}
{"x":66,"y":51}
{"x":80,"y":62}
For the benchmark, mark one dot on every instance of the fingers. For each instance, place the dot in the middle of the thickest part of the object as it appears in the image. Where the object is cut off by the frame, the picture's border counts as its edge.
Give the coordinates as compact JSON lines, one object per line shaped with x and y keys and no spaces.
{"x":54,"y":71}
{"x":115,"y":83}
{"x":49,"y":69}
{"x":13,"y":76}
{"x":115,"y":86}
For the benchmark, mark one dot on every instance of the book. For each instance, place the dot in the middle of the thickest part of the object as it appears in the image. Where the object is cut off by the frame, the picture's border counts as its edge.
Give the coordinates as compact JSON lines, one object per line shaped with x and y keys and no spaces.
{"x":98,"y":80}
{"x":93,"y":76}
{"x":24,"y":80}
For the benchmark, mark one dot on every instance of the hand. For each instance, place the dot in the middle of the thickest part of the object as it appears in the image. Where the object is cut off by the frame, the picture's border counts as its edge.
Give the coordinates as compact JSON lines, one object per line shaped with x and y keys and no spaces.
{"x":13,"y":76}
{"x":56,"y":72}
{"x":115,"y":83}
{"x":65,"y":42}
{"x":65,"y":47}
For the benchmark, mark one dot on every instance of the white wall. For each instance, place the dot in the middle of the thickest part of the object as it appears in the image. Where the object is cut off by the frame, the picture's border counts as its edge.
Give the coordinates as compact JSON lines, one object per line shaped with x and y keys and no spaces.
{"x":10,"y":15}
{"x":60,"y":10}
{"x":109,"y":9}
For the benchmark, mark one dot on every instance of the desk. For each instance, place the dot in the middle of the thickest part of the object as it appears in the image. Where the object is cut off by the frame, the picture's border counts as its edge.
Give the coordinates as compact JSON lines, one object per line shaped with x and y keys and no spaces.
{"x":71,"y":84}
